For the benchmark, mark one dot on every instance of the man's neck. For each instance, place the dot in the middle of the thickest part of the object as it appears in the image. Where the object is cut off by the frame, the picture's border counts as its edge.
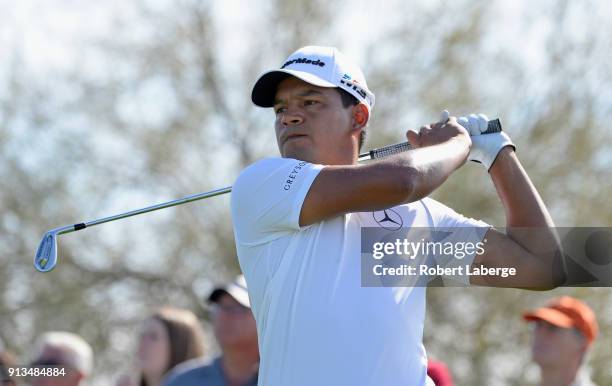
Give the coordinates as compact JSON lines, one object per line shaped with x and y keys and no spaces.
{"x":239,"y":366}
{"x":340,"y":155}
{"x":558,"y":376}
{"x":152,"y":380}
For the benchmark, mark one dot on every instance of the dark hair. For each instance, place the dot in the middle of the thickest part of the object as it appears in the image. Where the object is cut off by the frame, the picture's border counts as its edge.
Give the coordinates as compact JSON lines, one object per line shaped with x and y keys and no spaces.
{"x":349,"y":100}
{"x":184,"y":333}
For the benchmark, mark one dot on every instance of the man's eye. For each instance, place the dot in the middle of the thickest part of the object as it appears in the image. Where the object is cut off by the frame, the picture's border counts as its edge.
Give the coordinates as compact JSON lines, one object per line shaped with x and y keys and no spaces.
{"x":279,"y":110}
{"x":310,"y":102}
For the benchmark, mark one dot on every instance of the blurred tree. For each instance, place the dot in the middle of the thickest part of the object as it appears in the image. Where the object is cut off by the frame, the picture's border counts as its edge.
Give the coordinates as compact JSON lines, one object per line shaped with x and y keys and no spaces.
{"x":157,"y":107}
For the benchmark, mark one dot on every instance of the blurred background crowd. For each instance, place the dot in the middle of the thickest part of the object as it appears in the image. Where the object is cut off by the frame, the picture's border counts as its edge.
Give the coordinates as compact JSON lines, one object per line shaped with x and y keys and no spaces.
{"x":112,"y":106}
{"x":171,"y":349}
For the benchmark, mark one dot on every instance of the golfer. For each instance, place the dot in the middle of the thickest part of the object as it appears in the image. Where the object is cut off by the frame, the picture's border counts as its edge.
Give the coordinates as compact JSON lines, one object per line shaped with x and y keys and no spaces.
{"x":298,"y":218}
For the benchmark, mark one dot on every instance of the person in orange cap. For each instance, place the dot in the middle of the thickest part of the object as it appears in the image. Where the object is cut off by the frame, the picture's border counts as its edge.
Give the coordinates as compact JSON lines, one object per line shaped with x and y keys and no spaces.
{"x":564,"y":331}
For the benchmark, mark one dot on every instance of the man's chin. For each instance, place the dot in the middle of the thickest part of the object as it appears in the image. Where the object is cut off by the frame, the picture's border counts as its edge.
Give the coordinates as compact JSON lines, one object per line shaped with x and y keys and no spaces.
{"x":296,"y":152}
{"x":299,"y":156}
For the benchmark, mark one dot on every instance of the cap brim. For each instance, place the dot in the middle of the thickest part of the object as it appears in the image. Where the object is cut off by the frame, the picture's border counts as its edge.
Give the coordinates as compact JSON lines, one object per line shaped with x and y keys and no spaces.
{"x":551,"y":316}
{"x":264,"y":90}
{"x":239,"y":295}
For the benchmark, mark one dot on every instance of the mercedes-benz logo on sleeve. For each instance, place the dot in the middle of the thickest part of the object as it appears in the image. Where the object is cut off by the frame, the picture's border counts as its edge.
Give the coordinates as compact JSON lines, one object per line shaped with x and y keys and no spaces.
{"x":388,"y":219}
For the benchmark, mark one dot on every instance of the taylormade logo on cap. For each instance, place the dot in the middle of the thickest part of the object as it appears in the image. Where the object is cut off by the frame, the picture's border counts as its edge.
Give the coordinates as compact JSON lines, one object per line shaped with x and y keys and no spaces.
{"x":320,"y":66}
{"x":304,"y":60}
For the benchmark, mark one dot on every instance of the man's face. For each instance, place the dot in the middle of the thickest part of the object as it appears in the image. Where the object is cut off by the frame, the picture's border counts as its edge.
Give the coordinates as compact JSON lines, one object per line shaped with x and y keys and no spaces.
{"x":555,"y":346}
{"x":234,"y":324}
{"x":54,"y":356}
{"x":312,"y":124}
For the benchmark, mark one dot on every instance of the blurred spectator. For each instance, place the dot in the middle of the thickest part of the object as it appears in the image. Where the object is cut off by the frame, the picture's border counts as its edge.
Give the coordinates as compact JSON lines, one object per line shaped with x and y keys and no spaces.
{"x":67,"y":351}
{"x":169,"y":337}
{"x":564,"y":331}
{"x":125,"y":380}
{"x":6,"y":361}
{"x":439,"y":373}
{"x":236,"y":333}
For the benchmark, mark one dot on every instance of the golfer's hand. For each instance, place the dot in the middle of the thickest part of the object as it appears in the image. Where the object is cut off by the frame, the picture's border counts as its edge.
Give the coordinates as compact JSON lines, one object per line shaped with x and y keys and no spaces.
{"x":448,"y":129}
{"x":485,"y":148}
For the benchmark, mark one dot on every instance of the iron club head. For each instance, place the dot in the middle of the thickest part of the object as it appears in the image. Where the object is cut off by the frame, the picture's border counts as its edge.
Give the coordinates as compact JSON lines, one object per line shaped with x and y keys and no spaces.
{"x":46,"y":255}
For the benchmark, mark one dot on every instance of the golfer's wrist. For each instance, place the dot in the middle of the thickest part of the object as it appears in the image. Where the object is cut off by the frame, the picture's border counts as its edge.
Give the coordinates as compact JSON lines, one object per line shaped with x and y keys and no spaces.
{"x":452,"y":152}
{"x":504,"y":159}
{"x":462,"y":146}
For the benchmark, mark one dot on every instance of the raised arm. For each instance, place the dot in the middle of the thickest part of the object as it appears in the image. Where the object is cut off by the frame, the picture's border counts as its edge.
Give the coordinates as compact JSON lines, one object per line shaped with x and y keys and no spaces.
{"x":530,"y":244}
{"x":406,"y":177}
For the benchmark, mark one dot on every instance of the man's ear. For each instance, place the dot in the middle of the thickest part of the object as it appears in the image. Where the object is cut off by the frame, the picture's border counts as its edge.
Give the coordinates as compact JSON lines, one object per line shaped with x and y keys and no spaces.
{"x":361,"y":115}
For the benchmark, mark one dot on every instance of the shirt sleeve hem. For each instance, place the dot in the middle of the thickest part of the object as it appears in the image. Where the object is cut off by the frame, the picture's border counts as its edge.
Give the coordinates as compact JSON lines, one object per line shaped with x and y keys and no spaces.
{"x":298,"y":201}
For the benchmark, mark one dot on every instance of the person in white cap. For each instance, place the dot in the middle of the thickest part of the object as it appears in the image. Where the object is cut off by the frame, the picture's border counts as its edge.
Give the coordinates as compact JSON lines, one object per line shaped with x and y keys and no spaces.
{"x":298,"y":219}
{"x":64,"y":351}
{"x":236,"y":333}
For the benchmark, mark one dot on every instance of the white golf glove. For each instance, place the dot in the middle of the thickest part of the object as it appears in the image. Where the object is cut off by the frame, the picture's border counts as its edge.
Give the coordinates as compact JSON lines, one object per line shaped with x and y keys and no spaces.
{"x":484,"y":147}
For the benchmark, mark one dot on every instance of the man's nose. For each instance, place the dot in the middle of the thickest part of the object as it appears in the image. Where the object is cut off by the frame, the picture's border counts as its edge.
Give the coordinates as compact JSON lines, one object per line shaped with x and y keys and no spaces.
{"x":291,"y":117}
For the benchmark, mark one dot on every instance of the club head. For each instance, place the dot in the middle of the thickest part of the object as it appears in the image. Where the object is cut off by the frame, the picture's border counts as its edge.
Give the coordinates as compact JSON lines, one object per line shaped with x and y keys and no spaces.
{"x":46,"y":255}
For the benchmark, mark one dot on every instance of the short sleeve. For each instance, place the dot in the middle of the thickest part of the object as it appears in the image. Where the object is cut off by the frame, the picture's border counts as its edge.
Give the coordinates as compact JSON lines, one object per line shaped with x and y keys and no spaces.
{"x":444,"y":217}
{"x":267,"y":198}
{"x":465,"y":234}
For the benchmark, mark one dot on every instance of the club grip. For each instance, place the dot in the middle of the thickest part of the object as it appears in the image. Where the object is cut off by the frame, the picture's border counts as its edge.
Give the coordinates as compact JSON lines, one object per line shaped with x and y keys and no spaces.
{"x":493,"y":126}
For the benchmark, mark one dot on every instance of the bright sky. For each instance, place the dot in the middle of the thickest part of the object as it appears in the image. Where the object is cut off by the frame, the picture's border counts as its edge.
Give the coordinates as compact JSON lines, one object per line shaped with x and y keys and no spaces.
{"x":47,"y":33}
{"x":45,"y":30}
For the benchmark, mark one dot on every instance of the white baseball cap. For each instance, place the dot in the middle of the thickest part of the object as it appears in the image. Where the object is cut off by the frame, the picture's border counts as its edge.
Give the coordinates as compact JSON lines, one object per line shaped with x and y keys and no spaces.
{"x":320,"y":66}
{"x":236,"y":289}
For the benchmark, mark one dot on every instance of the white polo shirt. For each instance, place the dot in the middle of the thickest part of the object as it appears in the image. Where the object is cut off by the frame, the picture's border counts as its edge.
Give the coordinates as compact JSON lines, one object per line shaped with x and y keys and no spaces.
{"x":316,"y":324}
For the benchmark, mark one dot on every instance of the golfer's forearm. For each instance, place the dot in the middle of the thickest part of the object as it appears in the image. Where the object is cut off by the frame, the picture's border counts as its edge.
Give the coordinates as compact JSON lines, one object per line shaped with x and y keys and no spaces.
{"x":410,"y":176}
{"x":530,"y":244}
{"x":522,"y":203}
{"x":431,"y":166}
{"x":395,"y":180}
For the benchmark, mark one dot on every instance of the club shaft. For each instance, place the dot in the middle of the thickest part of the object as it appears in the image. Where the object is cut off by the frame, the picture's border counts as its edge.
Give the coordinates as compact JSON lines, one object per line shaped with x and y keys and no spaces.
{"x":163,"y":205}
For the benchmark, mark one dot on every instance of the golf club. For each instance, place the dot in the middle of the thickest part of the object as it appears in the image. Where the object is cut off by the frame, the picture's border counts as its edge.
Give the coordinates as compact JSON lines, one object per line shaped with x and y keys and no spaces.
{"x":46,"y":255}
